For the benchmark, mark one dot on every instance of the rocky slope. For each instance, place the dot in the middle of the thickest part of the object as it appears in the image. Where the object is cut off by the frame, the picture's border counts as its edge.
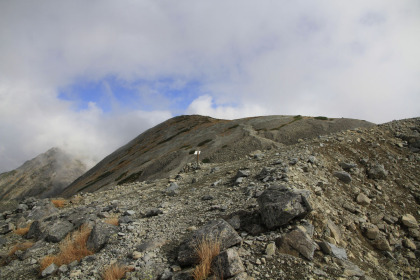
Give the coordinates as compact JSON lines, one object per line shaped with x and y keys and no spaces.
{"x":339,"y":206}
{"x":164,"y":149}
{"x":43,"y":176}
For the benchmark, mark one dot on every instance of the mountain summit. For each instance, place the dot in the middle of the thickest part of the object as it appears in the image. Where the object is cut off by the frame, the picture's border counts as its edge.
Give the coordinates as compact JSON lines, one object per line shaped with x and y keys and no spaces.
{"x":43,"y":176}
{"x":167,"y":148}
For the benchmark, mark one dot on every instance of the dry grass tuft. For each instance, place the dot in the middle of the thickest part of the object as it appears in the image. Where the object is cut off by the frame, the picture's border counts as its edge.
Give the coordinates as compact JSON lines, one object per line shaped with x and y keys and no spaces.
{"x":72,"y":248}
{"x":207,"y":249}
{"x":114,"y":272}
{"x":22,"y":231}
{"x":112,"y":221}
{"x":20,"y":246}
{"x":59,"y":203}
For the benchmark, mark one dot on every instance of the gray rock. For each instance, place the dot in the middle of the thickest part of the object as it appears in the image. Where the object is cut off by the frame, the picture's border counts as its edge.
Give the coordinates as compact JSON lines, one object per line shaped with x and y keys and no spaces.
{"x":6,"y":228}
{"x":227,"y":264}
{"x":270,"y":250}
{"x":153,"y":212}
{"x":218,"y":230}
{"x":58,"y":231}
{"x":36,"y":230}
{"x":331,"y":249}
{"x":377,"y":171}
{"x":343,"y":176}
{"x":129,"y":213}
{"x":100,"y":235}
{"x":173,"y":189}
{"x":350,"y":269}
{"x":347,"y":166}
{"x":242,"y":276}
{"x":41,"y":212}
{"x":49,"y":270}
{"x":279,"y":205}
{"x":242,"y":173}
{"x":125,"y":220}
{"x":296,"y":242}
{"x":150,"y":245}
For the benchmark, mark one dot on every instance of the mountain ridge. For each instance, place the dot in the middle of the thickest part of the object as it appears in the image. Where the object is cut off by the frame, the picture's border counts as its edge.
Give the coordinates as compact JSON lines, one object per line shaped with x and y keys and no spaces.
{"x":167,"y":148}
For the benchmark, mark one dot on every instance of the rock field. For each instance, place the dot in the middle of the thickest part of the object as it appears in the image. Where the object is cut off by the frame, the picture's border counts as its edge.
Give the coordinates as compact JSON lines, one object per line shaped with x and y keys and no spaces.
{"x":339,"y":206}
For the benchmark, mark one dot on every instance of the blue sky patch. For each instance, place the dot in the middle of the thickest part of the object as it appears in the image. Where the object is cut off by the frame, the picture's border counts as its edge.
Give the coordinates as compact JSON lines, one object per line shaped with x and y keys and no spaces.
{"x":110,"y":93}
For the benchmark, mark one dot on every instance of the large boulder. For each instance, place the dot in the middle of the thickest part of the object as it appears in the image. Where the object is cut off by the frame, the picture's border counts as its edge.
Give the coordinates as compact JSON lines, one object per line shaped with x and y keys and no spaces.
{"x":100,"y":235}
{"x":36,"y":230}
{"x":58,"y":231}
{"x":217,"y":231}
{"x":40,"y":212}
{"x":279,"y":205}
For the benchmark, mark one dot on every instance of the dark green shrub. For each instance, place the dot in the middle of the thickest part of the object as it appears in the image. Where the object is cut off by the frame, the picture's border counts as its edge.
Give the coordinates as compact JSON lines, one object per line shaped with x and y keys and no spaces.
{"x":321,"y":118}
{"x":204,"y":142}
{"x":206,"y":160}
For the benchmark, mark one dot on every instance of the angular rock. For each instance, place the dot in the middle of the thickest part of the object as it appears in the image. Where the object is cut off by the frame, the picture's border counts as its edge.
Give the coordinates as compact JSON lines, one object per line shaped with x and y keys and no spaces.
{"x":218,"y":230}
{"x":372,"y":232}
{"x":242,"y":173}
{"x":173,"y":189}
{"x":296,"y":242}
{"x":36,"y":230}
{"x":377,"y":172}
{"x":100,"y":235}
{"x":270,"y":250}
{"x":343,"y":176}
{"x":409,"y":221}
{"x":227,"y":264}
{"x":362,"y":199}
{"x":49,"y":270}
{"x":279,"y":205}
{"x":153,"y":212}
{"x":58,"y":231}
{"x":347,"y":166}
{"x":331,"y":249}
{"x":41,"y":212}
{"x":350,"y":269}
{"x":150,"y":245}
{"x":382,"y":244}
{"x":335,"y":231}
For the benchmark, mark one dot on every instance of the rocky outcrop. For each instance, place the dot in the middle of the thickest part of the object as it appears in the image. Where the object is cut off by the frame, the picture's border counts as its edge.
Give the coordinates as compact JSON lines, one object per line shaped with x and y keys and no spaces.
{"x":279,"y":205}
{"x":366,"y":229}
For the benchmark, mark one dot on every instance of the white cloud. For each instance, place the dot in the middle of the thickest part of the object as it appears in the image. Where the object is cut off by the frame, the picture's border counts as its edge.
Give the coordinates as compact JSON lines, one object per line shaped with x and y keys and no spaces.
{"x":355,"y":59}
{"x":205,"y":105}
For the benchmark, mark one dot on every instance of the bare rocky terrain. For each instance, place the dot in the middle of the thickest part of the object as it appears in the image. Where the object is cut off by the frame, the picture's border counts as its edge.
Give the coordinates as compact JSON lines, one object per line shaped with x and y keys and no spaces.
{"x":43,"y":176}
{"x":165,"y":149}
{"x":325,"y":205}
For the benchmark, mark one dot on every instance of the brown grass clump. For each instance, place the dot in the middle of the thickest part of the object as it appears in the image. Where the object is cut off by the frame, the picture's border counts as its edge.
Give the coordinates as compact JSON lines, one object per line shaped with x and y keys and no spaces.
{"x":20,"y":246}
{"x":72,"y":248}
{"x":206,"y":250}
{"x":22,"y":231}
{"x":112,"y":221}
{"x":114,"y":272}
{"x":59,"y":203}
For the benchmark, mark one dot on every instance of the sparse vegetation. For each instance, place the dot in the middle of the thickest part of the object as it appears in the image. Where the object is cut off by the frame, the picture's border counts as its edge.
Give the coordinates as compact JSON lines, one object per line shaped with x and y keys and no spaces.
{"x":204,"y":142}
{"x":121,"y":176}
{"x":132,"y":178}
{"x":233,"y":126}
{"x":59,"y":203}
{"x":192,"y":152}
{"x":114,"y":272}
{"x":224,"y":146}
{"x":321,"y":118}
{"x":298,"y":117}
{"x":72,"y":248}
{"x":206,"y":160}
{"x":23,"y":230}
{"x":206,"y":250}
{"x":20,"y":247}
{"x":112,"y":221}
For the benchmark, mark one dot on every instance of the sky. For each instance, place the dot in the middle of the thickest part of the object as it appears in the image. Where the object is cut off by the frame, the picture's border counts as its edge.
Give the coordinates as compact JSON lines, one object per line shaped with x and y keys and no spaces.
{"x":89,"y":76}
